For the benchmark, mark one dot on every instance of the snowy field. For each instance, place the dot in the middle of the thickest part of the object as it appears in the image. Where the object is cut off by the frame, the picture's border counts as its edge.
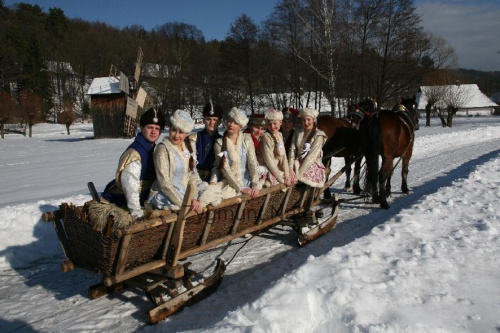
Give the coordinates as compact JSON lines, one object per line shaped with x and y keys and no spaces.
{"x":428,"y":264}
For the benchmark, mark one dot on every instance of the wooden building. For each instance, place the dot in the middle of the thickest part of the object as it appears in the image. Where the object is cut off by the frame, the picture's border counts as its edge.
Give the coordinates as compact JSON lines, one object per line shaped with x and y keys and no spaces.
{"x":110,"y":113}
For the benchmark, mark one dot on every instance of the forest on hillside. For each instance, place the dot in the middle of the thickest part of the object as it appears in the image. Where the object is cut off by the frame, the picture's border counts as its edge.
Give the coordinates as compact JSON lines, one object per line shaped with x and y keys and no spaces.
{"x":342,"y":49}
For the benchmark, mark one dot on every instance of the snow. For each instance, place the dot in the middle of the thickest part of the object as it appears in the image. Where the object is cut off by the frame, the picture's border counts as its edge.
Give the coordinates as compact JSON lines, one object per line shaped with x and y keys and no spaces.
{"x":104,"y":85}
{"x":469,"y":94}
{"x":428,"y":264}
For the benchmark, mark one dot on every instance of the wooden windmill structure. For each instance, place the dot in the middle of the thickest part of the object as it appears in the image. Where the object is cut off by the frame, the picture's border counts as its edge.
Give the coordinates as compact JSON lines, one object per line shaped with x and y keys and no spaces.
{"x":115,"y":102}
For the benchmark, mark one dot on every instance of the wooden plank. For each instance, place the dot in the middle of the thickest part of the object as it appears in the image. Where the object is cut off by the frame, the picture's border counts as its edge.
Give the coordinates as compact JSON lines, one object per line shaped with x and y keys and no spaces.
{"x":168,"y":239}
{"x":191,"y":296}
{"x":138,"y":227}
{"x":238,"y":217}
{"x":207,"y":227}
{"x":177,"y":237}
{"x":133,"y":272}
{"x":100,"y":290}
{"x":320,"y":229}
{"x":264,"y":208}
{"x":285,"y":203}
{"x":142,"y":281}
{"x":304,"y":196}
{"x":227,"y":238}
{"x":109,"y":226}
{"x":57,"y":222}
{"x":122,"y":256}
{"x":245,"y":197}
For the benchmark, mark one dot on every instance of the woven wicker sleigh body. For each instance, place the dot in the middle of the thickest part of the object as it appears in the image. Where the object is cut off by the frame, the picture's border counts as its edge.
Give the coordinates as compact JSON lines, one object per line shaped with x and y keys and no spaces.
{"x":146,"y":254}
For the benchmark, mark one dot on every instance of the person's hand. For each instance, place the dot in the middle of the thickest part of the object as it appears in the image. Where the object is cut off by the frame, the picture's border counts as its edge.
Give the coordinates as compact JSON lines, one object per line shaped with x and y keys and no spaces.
{"x":254,"y":192}
{"x":288,"y":181}
{"x":293,"y":176}
{"x":246,"y":190}
{"x":196,"y":206}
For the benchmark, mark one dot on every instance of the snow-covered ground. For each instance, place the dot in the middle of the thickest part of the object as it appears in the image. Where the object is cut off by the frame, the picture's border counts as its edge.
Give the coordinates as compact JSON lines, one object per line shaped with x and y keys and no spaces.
{"x":428,"y":264}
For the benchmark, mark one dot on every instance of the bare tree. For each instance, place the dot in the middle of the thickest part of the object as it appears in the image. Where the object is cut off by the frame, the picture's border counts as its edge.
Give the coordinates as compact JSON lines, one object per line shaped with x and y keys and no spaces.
{"x":239,"y":52}
{"x":438,"y":54}
{"x":31,"y":109}
{"x":433,"y":94}
{"x":319,"y":40}
{"x":67,"y":115}
{"x":283,"y":32}
{"x":455,"y":97}
{"x":7,"y":110}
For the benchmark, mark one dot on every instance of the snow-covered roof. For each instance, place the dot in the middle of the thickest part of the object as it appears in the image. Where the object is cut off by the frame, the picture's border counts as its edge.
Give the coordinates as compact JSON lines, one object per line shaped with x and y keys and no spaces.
{"x":471,"y":96}
{"x":104,"y":85}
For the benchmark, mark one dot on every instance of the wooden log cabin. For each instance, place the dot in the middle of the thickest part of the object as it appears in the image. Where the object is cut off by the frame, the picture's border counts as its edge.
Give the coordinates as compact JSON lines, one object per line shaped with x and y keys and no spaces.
{"x":109,"y":108}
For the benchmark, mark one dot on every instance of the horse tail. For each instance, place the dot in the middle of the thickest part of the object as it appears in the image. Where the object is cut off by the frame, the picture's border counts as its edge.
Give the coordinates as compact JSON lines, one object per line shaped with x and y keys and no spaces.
{"x":372,"y":152}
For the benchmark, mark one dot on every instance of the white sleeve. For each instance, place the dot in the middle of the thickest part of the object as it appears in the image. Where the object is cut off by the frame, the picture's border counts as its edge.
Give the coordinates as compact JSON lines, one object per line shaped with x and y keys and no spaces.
{"x":131,"y":184}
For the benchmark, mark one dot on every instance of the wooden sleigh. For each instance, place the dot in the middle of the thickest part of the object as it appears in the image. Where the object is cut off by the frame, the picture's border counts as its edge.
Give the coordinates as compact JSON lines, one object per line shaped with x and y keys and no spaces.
{"x":146,"y":254}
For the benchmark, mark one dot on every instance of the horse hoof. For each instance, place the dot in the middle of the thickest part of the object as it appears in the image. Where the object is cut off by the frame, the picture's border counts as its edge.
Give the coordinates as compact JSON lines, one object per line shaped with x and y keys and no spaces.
{"x":405,"y":190}
{"x":384,"y":205}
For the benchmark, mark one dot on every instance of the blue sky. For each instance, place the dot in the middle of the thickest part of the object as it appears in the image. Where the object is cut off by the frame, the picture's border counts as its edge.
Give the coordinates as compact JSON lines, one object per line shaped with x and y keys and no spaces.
{"x":472,"y":27}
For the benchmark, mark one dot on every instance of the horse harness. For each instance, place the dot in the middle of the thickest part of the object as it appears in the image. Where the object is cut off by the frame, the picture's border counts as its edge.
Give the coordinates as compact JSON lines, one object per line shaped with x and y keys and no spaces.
{"x":404,"y":115}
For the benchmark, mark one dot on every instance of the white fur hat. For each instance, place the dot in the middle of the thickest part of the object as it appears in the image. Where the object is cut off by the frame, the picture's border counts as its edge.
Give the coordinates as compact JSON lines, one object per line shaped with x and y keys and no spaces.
{"x":238,"y":116}
{"x":308,"y":112}
{"x":182,"y":120}
{"x":273,"y":114}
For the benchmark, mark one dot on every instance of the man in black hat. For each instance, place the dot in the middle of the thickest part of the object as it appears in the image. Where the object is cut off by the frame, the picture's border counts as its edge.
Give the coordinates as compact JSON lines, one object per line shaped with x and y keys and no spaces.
{"x":136,"y":170}
{"x":205,"y":139}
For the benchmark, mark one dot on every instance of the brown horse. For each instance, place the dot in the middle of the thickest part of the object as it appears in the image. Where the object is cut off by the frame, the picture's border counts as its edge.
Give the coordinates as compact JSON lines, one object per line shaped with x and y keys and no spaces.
{"x":342,"y":141}
{"x":390,"y":134}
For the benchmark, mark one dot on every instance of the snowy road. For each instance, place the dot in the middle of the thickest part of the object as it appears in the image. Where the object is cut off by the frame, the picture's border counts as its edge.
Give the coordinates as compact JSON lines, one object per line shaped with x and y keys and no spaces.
{"x":36,"y":296}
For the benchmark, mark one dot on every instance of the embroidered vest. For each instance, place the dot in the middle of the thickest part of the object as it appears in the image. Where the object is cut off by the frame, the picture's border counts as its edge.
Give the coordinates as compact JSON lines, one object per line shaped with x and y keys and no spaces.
{"x":114,"y":194}
{"x":205,"y":149}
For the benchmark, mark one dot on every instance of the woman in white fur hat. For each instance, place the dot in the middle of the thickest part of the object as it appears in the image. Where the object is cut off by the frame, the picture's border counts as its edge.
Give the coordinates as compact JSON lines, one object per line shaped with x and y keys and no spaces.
{"x":175,"y":162}
{"x":271,"y":151}
{"x":236,"y":168}
{"x":306,"y":151}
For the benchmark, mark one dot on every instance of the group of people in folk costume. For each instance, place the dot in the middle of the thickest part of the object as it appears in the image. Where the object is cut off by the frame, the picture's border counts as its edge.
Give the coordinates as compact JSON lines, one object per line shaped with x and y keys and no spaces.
{"x":270,"y":151}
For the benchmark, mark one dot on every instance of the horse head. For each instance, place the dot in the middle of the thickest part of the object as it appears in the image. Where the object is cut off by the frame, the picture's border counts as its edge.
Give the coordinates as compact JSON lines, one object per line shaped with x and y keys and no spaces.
{"x":359,"y":110}
{"x":366,"y":106}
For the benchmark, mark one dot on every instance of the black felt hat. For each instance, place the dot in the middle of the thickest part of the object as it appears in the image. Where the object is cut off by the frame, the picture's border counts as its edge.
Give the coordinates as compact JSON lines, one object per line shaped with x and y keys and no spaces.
{"x":152,"y":116}
{"x":212,"y":110}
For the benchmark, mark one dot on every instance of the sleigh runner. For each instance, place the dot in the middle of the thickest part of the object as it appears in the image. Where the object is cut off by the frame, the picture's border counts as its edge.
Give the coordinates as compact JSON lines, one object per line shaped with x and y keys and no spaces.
{"x":146,"y":254}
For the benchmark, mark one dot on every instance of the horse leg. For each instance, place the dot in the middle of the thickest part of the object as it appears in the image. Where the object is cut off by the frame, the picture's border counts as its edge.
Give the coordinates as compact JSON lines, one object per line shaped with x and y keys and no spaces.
{"x":404,"y":174}
{"x":327,"y":194}
{"x":356,"y":189}
{"x":384,"y":174}
{"x":388,"y":186}
{"x":347,"y":173}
